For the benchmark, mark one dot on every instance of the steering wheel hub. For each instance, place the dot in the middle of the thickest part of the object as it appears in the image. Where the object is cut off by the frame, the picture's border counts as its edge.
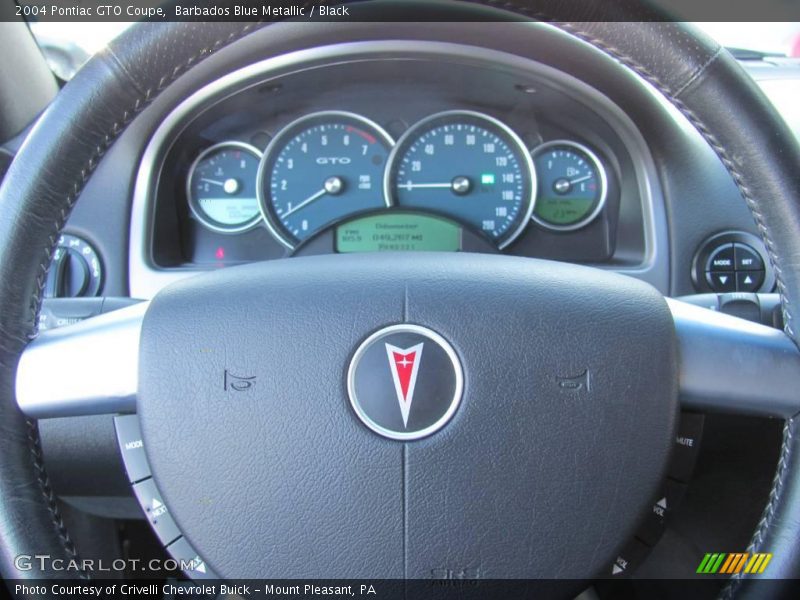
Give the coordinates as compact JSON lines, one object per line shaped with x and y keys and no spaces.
{"x":558,"y":382}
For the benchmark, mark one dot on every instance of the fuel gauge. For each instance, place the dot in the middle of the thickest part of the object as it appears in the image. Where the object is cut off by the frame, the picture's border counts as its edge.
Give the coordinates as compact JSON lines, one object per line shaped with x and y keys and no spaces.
{"x":572,"y":185}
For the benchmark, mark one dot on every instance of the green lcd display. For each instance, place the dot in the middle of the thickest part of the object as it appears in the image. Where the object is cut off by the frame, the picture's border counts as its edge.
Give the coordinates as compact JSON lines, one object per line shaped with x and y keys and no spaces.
{"x":398,"y":232}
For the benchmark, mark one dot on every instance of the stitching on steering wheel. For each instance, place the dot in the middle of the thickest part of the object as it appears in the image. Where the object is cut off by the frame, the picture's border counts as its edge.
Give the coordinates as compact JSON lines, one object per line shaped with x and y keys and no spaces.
{"x":116,"y":129}
{"x":753,"y":204}
{"x":769,"y":510}
{"x":788,"y":431}
{"x":780,"y":473}
{"x":47,"y":490}
{"x":778,"y":481}
{"x":721,"y":152}
{"x":119,"y":126}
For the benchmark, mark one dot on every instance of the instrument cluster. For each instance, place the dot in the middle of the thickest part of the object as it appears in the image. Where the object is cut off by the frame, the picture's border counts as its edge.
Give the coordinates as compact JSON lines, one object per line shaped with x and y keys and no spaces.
{"x":329,"y":168}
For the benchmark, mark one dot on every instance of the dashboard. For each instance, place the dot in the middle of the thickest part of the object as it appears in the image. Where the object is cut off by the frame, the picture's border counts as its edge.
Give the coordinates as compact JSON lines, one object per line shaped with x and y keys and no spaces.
{"x":392,"y":146}
{"x":328,"y":167}
{"x":660,"y":197}
{"x":490,"y":142}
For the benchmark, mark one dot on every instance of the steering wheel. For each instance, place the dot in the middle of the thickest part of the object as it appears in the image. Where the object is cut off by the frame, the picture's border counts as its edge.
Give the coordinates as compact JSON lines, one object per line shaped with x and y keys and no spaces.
{"x":308,"y":478}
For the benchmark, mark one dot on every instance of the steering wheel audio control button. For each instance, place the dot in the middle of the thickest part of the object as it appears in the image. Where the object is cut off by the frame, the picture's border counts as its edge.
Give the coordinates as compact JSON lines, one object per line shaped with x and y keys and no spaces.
{"x":729,"y":271}
{"x":157,"y":512}
{"x":129,"y":438}
{"x":749,"y":281}
{"x":668,"y":499}
{"x":191,"y":562}
{"x":631,"y":556}
{"x":687,"y":446}
{"x":722,"y":281}
{"x":722,"y":259}
{"x":405,"y":382}
{"x":747,"y":259}
{"x":733,"y":261}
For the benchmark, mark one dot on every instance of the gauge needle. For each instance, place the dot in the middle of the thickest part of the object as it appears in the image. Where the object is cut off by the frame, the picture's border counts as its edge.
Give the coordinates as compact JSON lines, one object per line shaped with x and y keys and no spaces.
{"x":333,"y":186}
{"x":579,"y":179}
{"x":459,"y":185}
{"x":306,"y":202}
{"x":412,"y":186}
{"x":214,"y":181}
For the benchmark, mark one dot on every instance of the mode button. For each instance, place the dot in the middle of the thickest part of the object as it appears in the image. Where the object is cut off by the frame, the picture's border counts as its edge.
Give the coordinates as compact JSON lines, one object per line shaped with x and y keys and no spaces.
{"x":129,"y":438}
{"x":722,"y":259}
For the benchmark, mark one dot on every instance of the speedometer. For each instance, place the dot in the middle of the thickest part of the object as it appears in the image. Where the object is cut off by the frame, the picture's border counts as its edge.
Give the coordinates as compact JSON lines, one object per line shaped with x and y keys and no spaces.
{"x":467,"y":166}
{"x":320,"y":169}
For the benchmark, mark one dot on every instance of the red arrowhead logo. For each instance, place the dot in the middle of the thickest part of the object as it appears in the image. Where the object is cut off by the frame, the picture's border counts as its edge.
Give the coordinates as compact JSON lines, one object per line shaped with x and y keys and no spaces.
{"x":404,"y":364}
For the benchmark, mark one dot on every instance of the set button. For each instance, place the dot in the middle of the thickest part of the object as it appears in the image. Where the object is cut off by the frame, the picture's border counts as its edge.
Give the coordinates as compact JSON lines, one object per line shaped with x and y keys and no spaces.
{"x":747,"y":259}
{"x":735,"y":267}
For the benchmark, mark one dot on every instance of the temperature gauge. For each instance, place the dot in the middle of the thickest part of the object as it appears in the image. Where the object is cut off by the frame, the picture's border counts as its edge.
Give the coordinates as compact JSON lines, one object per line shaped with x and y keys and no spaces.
{"x":571,"y":188}
{"x":222,"y":187}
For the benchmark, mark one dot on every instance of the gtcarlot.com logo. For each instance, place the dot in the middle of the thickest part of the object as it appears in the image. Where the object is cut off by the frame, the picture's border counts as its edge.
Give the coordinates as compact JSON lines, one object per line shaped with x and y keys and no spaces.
{"x":733,"y":563}
{"x":43,"y":562}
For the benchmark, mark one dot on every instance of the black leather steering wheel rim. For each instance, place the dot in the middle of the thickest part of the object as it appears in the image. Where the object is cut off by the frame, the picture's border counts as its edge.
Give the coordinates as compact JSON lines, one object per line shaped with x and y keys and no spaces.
{"x":697,"y":76}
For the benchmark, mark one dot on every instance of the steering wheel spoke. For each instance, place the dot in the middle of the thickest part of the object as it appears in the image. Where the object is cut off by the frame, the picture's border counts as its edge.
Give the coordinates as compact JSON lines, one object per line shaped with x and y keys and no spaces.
{"x":89,"y":368}
{"x":735,"y":366}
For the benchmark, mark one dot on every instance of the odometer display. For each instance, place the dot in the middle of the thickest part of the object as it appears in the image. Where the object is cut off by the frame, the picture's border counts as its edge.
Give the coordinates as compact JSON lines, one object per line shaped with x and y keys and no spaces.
{"x":467,"y":166}
{"x":319,"y":170}
{"x":398,"y":231}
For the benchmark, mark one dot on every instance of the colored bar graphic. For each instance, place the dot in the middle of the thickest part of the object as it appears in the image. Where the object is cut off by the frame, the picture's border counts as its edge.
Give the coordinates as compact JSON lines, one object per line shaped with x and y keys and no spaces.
{"x":703,"y":564}
{"x":734,"y":563}
{"x":716,"y":565}
{"x":758,"y":563}
{"x":731,"y":560}
{"x":710,"y":563}
{"x":767,"y":558}
{"x":740,"y":564}
{"x":729,"y":564}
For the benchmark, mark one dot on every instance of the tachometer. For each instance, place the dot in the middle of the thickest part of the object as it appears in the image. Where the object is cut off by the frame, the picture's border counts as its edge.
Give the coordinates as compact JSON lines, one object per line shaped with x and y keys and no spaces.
{"x":221,"y":187}
{"x":468,"y":166}
{"x":320,"y":169}
{"x":572,"y":185}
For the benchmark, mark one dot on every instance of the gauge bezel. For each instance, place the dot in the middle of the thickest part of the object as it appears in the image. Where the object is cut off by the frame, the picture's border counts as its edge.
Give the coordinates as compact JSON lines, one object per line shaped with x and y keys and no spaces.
{"x":286,"y":133}
{"x":198,"y":213}
{"x":511,"y":136}
{"x":599,"y":167}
